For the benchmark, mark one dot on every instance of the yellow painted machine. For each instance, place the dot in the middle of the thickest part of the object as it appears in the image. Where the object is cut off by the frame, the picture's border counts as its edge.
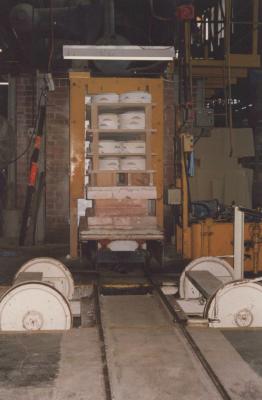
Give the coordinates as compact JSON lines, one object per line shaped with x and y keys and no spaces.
{"x":213,"y":236}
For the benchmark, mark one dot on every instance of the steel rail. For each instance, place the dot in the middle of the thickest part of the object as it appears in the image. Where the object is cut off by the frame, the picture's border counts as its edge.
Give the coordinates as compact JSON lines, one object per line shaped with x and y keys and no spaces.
{"x":181,"y":325}
{"x":108,"y":392}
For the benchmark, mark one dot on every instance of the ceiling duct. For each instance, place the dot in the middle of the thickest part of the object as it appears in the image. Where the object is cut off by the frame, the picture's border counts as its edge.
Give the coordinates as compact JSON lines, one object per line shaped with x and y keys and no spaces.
{"x":82,"y":22}
{"x":111,"y":38}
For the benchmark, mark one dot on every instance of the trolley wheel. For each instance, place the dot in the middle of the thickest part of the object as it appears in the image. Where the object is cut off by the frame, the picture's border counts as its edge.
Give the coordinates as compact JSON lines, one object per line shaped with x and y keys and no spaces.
{"x":54,"y":272}
{"x":34,"y":306}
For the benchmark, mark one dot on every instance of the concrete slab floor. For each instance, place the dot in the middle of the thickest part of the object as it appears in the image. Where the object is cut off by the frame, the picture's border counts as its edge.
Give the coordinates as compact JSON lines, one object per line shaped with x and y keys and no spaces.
{"x":51,"y":366}
{"x":233,"y":360}
{"x":248,"y":343}
{"x":147,"y":356}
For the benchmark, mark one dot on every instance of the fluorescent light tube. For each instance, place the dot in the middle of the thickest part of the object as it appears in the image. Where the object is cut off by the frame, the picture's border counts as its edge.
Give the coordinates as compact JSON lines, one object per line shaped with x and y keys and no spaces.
{"x":138,"y":53}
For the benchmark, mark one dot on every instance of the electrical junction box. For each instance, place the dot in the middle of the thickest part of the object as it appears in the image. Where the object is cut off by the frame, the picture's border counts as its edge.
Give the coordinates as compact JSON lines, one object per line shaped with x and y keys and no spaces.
{"x":188,"y":143}
{"x":174,"y":196}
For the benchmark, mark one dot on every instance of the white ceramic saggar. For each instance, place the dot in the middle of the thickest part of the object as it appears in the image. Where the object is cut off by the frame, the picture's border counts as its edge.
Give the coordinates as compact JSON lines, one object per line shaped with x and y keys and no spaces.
{"x":108,"y":121}
{"x":133,"y":164}
{"x":132,"y":120}
{"x":109,"y":164}
{"x":106,"y":98}
{"x":135,"y":97}
{"x":137,"y":147}
{"x":109,"y":146}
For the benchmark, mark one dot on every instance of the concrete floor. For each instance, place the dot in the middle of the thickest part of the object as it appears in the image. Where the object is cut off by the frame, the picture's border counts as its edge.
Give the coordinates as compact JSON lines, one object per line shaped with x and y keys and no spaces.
{"x":147,"y":356}
{"x":51,"y":366}
{"x":148,"y":359}
{"x":229,"y":362}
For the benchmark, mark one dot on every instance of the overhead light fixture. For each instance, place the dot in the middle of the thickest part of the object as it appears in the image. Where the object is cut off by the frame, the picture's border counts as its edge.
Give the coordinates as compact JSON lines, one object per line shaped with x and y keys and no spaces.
{"x":1,"y":50}
{"x":138,"y":53}
{"x":4,"y":83}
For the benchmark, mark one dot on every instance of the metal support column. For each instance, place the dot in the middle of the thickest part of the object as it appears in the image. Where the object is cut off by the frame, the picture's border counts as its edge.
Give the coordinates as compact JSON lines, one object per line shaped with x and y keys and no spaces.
{"x":239,"y":219}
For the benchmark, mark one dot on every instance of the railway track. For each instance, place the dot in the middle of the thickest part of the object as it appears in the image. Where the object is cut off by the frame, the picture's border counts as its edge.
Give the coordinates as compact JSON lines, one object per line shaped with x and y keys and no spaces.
{"x":192,"y":343}
{"x":179,"y":325}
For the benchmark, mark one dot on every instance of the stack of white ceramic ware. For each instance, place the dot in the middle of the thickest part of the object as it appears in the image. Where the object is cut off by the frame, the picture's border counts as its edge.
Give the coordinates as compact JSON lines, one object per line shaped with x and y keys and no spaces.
{"x":109,"y":164}
{"x":132,"y":164}
{"x":109,"y":146}
{"x":132,"y":120}
{"x":108,"y":121}
{"x":106,"y":98}
{"x":137,"y":147}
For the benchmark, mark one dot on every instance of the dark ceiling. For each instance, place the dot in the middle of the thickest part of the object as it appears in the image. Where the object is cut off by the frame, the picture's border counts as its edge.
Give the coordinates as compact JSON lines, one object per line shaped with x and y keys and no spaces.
{"x":32,"y":31}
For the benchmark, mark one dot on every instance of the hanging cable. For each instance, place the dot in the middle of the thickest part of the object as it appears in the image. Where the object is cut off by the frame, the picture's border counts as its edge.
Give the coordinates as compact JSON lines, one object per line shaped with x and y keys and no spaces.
{"x":159,"y":17}
{"x":43,"y":93}
{"x":228,"y":74}
{"x":52,"y":36}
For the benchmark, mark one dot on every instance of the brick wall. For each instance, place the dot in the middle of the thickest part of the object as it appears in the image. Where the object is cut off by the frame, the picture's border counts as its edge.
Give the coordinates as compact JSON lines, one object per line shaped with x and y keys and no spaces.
{"x":25,"y":114}
{"x":56,"y":152}
{"x":57,"y":163}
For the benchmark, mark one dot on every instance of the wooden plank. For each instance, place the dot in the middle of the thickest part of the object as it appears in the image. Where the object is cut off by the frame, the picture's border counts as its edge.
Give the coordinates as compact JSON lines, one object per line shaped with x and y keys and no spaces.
{"x":126,"y":207}
{"x":122,"y":192}
{"x":148,"y":120}
{"x":107,"y":180}
{"x":236,"y":61}
{"x":120,"y":131}
{"x":125,"y":222}
{"x":77,"y":153}
{"x":118,"y":155}
{"x":122,"y":171}
{"x":117,"y":234}
{"x":119,"y":106}
{"x":140,"y":179}
{"x":95,"y":143}
{"x":205,"y":282}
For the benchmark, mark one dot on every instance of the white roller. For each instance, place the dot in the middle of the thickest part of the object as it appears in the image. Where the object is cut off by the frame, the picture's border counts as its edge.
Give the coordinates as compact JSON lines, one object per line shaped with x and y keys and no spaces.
{"x":135,"y":97}
{"x":54,"y":273}
{"x":106,"y":98}
{"x":216,"y":266}
{"x":237,"y":304}
{"x":34,"y":306}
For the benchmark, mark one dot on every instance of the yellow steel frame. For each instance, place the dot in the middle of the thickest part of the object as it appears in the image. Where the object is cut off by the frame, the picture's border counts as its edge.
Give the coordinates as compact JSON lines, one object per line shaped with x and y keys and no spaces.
{"x":212,"y":238}
{"x":238,"y":63}
{"x":82,"y":83}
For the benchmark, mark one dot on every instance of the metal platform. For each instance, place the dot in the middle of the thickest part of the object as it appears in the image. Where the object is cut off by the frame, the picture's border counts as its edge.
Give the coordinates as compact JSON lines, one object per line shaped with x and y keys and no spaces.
{"x":87,"y":233}
{"x":205,"y":282}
